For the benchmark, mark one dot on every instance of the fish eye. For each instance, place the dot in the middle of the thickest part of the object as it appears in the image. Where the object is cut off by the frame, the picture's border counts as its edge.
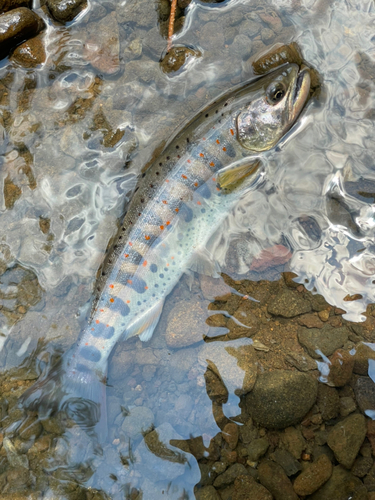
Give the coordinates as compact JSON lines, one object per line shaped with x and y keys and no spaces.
{"x":275,"y":92}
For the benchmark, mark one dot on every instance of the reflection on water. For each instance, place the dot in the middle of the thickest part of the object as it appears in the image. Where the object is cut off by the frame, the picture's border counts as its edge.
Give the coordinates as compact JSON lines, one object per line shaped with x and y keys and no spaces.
{"x":274,"y":398}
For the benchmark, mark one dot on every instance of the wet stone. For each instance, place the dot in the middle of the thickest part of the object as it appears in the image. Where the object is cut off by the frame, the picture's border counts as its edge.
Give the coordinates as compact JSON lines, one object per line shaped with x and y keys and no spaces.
{"x":342,"y":484}
{"x":361,"y":357}
{"x":30,"y":53}
{"x":341,"y":368}
{"x":245,"y":487}
{"x":7,"y":5}
{"x":326,"y":339}
{"x":186,"y":324}
{"x":16,"y":26}
{"x":139,"y":420}
{"x":313,"y":477}
{"x":310,"y":321}
{"x":65,"y":10}
{"x":347,"y":406}
{"x":230,"y":435}
{"x":213,"y":288}
{"x":362,"y":466}
{"x":281,"y":398}
{"x":303,"y":362}
{"x":328,"y":402}
{"x":346,"y":438}
{"x":207,"y":493}
{"x":287,"y":461}
{"x":257,"y":448}
{"x":289,"y":304}
{"x":293,"y":441}
{"x":212,"y":37}
{"x":273,"y":477}
{"x":229,"y":475}
{"x":176,"y":58}
{"x":364,"y":390}
{"x":102,"y":46}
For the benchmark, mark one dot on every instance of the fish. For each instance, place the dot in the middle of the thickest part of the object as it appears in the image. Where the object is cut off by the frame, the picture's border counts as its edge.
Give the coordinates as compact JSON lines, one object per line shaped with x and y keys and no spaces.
{"x":178,"y":204}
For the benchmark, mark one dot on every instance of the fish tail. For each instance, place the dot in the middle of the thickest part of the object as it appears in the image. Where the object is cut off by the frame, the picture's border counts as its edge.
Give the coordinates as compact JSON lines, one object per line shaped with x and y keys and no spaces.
{"x":78,"y":391}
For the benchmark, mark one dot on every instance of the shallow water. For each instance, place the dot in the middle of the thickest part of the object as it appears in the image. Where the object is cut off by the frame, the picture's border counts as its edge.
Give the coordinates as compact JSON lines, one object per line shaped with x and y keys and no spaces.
{"x":68,"y":128}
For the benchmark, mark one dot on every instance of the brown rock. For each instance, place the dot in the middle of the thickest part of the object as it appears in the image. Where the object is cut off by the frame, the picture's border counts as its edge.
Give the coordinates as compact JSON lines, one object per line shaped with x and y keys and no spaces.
{"x":328,"y":402}
{"x":313,"y":477}
{"x":11,"y":193}
{"x":65,"y":10}
{"x":230,"y":435}
{"x":346,"y":438}
{"x":362,"y":355}
{"x":16,"y":26}
{"x":7,"y":5}
{"x":341,"y":368}
{"x":102,"y":47}
{"x":176,"y":58}
{"x":310,"y":321}
{"x":341,"y":485}
{"x":245,"y":487}
{"x":30,"y":53}
{"x":289,"y":304}
{"x":186,"y":324}
{"x":273,"y":477}
{"x":275,"y":56}
{"x":371,"y":434}
{"x":293,"y":441}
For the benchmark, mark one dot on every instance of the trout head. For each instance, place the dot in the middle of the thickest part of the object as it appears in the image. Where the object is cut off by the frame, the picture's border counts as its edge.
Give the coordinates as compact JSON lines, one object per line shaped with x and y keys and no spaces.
{"x":275,"y":105}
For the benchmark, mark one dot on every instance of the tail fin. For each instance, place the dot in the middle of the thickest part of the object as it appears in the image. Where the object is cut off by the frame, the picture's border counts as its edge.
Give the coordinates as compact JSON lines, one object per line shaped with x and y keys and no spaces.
{"x":78,"y":392}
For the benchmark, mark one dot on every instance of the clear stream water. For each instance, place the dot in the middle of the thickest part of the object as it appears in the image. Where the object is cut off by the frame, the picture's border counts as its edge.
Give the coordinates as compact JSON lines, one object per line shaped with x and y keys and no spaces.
{"x":60,"y":121}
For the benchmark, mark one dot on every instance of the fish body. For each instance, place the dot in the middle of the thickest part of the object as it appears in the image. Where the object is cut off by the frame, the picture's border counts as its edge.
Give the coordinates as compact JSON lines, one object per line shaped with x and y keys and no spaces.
{"x":180,"y":202}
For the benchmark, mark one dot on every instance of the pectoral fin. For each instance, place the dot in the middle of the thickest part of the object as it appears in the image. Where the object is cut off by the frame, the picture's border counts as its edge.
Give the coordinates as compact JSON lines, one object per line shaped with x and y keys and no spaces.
{"x":232,"y":176}
{"x":202,"y":262}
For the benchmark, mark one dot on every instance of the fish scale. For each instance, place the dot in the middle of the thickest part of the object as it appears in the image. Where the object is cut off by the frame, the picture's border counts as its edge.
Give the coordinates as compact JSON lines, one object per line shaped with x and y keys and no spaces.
{"x":180,"y":201}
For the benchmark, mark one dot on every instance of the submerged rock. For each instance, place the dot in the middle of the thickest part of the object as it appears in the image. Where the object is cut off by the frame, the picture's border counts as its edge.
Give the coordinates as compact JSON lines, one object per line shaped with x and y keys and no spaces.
{"x":326,"y":339}
{"x":177,"y":57}
{"x":281,"y":398}
{"x":30,"y":53}
{"x":7,"y":5}
{"x":65,"y":10}
{"x":186,"y":324}
{"x":16,"y":26}
{"x":346,"y":438}
{"x":273,"y":477}
{"x":313,"y":477}
{"x":342,"y":484}
{"x":289,"y":304}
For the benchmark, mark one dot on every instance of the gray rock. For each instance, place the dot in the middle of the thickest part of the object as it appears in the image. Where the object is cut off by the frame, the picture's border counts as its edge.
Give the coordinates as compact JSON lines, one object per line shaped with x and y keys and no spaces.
{"x":245,"y":488}
{"x":341,"y":485}
{"x":139,"y":420}
{"x":325,"y":339}
{"x":65,"y":10}
{"x":212,"y":36}
{"x":328,"y":402}
{"x":346,"y":438}
{"x":281,"y":398}
{"x":347,"y":406}
{"x":288,"y":304}
{"x":293,"y":441}
{"x":287,"y":461}
{"x":17,"y":26}
{"x":241,"y":46}
{"x":250,"y":28}
{"x":230,"y":475}
{"x":364,"y":391}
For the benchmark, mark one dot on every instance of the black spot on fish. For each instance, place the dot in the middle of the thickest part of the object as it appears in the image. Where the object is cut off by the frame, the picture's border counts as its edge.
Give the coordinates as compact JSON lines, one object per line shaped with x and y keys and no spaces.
{"x":177,"y":147}
{"x":90,"y":353}
{"x":165,"y":269}
{"x":156,"y":286}
{"x":139,"y":303}
{"x":203,"y":210}
{"x":206,"y":115}
{"x":186,"y":212}
{"x":161,"y":275}
{"x":230,"y":150}
{"x":103,"y":331}
{"x":204,"y":191}
{"x":119,"y":306}
{"x":153,"y":268}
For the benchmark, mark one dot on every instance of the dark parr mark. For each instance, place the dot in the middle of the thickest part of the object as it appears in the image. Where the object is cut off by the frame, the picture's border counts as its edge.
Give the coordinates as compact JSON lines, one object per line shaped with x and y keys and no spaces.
{"x":119,"y":306}
{"x":90,"y":353}
{"x":103,"y":331}
{"x":229,"y":149}
{"x":186,"y":212}
{"x":204,"y":191}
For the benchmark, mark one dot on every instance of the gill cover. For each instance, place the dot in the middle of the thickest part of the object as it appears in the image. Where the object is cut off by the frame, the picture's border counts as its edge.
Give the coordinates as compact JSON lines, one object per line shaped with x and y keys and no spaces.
{"x":274,"y":108}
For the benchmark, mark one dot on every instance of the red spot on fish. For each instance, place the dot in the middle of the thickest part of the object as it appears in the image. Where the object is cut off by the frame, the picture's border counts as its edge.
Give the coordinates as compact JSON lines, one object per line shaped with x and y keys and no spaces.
{"x":112,"y":300}
{"x":232,"y":131}
{"x":217,"y":140}
{"x":224,"y":149}
{"x":128,"y":301}
{"x":199,"y":203}
{"x":165,"y":202}
{"x":87,"y":343}
{"x":167,"y":265}
{"x":273,"y":256}
{"x":144,"y":263}
{"x":212,"y":164}
{"x":107,"y":326}
{"x":102,"y":310}
{"x":147,"y":237}
{"x":130,"y":244}
{"x":126,"y":255}
{"x":217,"y":189}
{"x":189,"y":161}
{"x":92,"y":329}
{"x":110,"y":286}
{"x":130,"y":282}
{"x":166,"y":180}
{"x":183,"y":176}
{"x":168,"y":222}
{"x":201,"y":155}
{"x":214,"y":179}
{"x":204,"y":138}
{"x":196,"y":184}
{"x":103,"y":347}
{"x":172,"y":257}
{"x":146,"y":287}
{"x":176,"y":209}
{"x":97,"y":322}
{"x":162,"y":227}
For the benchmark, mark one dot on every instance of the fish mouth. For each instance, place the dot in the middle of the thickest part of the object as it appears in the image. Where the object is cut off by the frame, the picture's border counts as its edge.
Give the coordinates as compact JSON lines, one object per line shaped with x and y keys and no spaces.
{"x":301,"y":90}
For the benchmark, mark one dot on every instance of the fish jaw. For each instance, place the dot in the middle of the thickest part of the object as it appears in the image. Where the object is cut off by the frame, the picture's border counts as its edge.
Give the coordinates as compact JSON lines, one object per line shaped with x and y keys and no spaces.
{"x":300,"y":93}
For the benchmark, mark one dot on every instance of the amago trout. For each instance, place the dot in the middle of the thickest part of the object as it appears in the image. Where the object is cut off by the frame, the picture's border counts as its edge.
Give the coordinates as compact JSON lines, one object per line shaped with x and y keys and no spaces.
{"x":180,"y":202}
